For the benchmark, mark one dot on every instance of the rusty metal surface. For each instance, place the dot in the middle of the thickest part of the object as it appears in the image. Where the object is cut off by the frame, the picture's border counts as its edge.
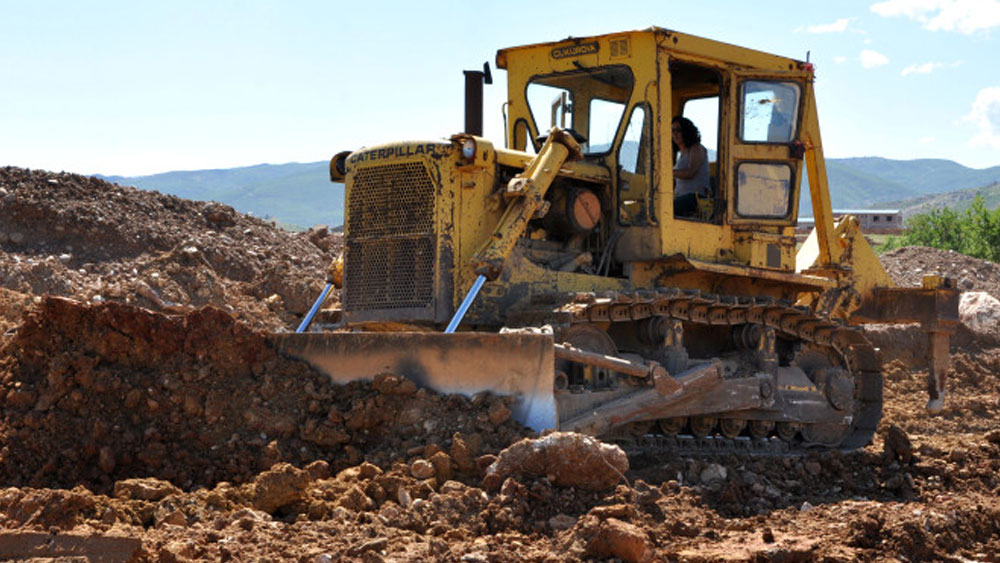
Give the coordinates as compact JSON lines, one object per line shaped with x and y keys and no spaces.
{"x":936,"y":309}
{"x":650,"y":403}
{"x":467,"y":363}
{"x":619,"y":365}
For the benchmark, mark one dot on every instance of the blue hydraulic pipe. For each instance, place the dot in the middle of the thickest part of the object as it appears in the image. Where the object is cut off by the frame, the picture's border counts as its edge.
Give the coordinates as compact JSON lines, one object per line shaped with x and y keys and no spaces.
{"x":315,"y":309}
{"x":466,"y":303}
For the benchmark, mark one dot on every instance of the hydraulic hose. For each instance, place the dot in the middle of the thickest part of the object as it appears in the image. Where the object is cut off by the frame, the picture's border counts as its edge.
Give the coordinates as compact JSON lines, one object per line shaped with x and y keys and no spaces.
{"x":466,"y":303}
{"x":315,"y":309}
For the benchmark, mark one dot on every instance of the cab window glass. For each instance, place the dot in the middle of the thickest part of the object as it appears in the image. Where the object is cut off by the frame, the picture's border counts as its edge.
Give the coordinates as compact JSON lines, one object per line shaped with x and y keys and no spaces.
{"x":635,"y":196}
{"x":604,"y":119}
{"x":768,"y":111}
{"x":763,"y":190}
{"x":551,"y":106}
{"x":632,"y":156}
{"x":590,"y":101}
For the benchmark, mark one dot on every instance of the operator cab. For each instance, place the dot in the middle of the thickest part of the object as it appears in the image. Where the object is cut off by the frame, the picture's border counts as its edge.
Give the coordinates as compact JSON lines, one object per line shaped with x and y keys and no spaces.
{"x":617,"y":95}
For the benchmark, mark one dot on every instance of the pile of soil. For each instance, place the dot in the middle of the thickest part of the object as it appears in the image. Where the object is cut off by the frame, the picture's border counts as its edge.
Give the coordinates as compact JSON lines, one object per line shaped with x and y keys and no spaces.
{"x":908,"y":265}
{"x":92,"y":394}
{"x":172,"y":431}
{"x":71,"y":235}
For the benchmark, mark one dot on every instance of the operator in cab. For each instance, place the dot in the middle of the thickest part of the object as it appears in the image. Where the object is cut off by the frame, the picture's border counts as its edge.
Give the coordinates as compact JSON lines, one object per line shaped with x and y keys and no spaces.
{"x":691,"y":168}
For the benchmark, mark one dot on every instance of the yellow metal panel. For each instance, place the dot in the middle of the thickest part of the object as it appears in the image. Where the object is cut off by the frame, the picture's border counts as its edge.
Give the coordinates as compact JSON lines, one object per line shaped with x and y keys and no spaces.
{"x":680,"y":42}
{"x":819,"y":188}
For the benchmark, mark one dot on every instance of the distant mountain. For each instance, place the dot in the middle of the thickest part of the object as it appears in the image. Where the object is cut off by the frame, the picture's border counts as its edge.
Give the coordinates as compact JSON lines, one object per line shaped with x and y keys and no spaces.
{"x":295,"y":194}
{"x":873,"y":182}
{"x":958,"y":200}
{"x":301,"y":194}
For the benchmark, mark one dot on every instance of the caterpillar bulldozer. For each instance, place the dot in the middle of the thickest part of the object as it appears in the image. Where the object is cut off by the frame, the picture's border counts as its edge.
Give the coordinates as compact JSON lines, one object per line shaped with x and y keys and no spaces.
{"x":566,"y":279}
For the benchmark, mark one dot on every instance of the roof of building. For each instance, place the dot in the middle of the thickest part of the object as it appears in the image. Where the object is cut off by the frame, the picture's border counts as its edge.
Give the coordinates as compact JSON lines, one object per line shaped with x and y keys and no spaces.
{"x":837,"y":212}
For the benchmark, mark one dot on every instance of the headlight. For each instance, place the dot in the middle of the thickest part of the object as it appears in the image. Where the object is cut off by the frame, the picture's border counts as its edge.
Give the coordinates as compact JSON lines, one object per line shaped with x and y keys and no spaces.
{"x":469,"y":149}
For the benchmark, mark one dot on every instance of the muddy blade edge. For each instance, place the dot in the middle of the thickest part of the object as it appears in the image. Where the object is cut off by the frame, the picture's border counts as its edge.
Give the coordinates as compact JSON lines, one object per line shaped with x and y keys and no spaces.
{"x":520,"y":365}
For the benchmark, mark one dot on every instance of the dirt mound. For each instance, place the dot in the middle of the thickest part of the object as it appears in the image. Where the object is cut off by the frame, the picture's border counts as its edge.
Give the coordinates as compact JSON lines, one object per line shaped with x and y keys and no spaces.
{"x":77,"y":236}
{"x":91,"y":394}
{"x":908,"y":265}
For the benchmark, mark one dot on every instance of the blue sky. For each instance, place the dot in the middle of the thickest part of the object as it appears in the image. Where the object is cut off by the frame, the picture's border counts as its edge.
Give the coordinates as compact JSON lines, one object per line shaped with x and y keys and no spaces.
{"x":143,"y":87}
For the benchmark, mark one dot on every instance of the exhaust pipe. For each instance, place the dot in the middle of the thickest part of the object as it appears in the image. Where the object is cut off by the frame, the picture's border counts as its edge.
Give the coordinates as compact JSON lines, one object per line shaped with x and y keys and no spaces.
{"x":474,"y":80}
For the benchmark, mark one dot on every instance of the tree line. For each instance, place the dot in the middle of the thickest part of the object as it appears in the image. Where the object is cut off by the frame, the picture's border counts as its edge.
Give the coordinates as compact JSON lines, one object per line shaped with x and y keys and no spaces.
{"x":973,"y":232}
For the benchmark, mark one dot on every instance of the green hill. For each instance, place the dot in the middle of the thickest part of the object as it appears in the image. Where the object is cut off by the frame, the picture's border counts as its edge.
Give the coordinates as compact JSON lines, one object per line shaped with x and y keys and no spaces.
{"x":301,"y":194}
{"x":295,"y":194}
{"x":958,"y":200}
{"x":873,"y":182}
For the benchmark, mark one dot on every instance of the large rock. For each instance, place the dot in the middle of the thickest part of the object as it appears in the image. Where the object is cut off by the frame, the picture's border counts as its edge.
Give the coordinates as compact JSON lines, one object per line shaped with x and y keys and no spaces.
{"x":567,"y":459}
{"x":146,"y":488}
{"x":979,"y":312}
{"x":621,"y":540}
{"x":279,"y":486}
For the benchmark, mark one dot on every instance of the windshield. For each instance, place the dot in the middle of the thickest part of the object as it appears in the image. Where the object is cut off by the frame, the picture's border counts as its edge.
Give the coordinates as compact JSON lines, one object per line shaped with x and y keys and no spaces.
{"x":589,"y":101}
{"x":768,"y":111}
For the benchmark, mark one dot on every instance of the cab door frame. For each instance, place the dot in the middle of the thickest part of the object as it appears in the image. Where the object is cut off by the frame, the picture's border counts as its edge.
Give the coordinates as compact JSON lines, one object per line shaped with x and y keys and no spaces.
{"x":764,"y":154}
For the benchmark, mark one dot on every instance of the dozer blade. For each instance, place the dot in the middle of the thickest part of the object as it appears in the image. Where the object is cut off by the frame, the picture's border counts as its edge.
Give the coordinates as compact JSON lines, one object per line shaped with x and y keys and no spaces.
{"x":514,"y":364}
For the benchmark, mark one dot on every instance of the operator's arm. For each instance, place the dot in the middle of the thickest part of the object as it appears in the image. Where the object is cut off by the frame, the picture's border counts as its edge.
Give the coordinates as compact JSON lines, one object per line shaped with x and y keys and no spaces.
{"x":696,"y":157}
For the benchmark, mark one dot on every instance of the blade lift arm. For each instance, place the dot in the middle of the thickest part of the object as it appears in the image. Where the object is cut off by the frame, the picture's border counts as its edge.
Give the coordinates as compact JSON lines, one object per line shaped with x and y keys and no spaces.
{"x":526,"y":193}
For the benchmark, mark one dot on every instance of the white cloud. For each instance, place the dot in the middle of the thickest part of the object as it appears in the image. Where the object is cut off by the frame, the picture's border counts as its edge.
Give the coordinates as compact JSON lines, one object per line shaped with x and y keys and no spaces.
{"x":925,"y":68}
{"x":985,"y":115}
{"x":838,"y":26}
{"x":927,"y":140}
{"x":963,"y":16}
{"x":840,"y":60}
{"x":872,"y":59}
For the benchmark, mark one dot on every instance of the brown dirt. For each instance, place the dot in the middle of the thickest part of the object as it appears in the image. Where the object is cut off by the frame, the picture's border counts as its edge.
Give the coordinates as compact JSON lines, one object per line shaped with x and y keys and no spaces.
{"x":170,"y":431}
{"x":70,"y":235}
{"x":908,"y":265}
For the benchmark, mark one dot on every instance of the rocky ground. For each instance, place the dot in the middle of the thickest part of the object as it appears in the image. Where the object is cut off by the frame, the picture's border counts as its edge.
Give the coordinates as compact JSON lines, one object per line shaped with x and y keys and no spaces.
{"x":143,"y":417}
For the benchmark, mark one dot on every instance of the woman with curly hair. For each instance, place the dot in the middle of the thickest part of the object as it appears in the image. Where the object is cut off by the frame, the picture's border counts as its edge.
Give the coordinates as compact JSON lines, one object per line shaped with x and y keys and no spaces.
{"x":691,"y":168}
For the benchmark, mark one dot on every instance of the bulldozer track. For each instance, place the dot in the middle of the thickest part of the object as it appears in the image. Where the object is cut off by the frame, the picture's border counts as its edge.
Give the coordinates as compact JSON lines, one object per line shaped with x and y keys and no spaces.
{"x":658,"y":445}
{"x":790,"y":321}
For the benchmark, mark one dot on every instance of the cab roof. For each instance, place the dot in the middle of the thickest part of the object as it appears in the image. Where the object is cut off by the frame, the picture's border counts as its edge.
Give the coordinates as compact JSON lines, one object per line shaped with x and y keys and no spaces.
{"x":675,"y":41}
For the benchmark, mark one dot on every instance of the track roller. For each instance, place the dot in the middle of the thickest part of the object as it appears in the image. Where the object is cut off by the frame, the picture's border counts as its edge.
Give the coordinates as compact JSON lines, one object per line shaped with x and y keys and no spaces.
{"x":672,"y":426}
{"x":702,"y":426}
{"x":787,"y":431}
{"x":731,"y":427}
{"x":760,"y":429}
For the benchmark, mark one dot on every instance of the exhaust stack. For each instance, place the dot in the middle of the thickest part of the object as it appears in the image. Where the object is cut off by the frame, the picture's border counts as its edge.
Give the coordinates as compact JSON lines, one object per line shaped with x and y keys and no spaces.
{"x":474,"y":80}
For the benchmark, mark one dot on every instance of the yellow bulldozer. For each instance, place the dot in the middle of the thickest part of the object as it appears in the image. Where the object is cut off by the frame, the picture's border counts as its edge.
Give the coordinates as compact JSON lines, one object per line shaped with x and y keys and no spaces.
{"x":558,"y":269}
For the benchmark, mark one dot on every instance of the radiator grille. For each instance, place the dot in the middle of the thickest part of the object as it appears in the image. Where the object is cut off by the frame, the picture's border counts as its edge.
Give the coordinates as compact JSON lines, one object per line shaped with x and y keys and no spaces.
{"x":390,"y":241}
{"x":392,"y":199}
